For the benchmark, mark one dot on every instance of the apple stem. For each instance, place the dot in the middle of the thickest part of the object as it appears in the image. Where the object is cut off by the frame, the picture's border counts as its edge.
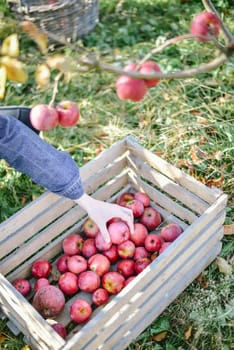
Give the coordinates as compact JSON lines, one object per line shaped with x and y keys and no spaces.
{"x":55,"y":89}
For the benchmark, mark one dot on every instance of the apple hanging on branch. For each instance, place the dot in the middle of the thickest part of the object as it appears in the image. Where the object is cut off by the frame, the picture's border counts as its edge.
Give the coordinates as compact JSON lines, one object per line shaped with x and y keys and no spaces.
{"x":134,"y":80}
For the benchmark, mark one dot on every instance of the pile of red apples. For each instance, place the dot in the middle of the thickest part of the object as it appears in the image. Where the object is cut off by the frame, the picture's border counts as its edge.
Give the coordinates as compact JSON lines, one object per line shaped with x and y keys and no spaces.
{"x":91,"y":265}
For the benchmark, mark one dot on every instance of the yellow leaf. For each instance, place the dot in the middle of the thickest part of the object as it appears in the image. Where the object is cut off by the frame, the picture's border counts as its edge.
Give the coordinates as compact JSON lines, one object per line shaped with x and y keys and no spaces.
{"x":160,"y":336}
{"x":15,"y":69}
{"x":26,"y":347}
{"x":229,"y":229}
{"x":10,"y":46}
{"x":36,"y":34}
{"x":42,"y":75}
{"x":3,"y":78}
{"x":223,"y":266}
{"x":188,"y":333}
{"x":59,"y":62}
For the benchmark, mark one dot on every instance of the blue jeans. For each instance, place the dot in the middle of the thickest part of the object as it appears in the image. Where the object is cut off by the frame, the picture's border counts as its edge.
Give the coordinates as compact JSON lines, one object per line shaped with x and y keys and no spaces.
{"x":24,"y":150}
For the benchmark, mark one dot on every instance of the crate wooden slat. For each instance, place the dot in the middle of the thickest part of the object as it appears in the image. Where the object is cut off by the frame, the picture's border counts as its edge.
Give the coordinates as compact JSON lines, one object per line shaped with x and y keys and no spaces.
{"x":37,"y":232}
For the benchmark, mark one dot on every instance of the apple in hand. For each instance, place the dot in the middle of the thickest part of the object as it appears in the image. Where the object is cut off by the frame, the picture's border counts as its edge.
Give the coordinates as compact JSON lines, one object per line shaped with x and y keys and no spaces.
{"x":150,"y":67}
{"x":205,"y":24}
{"x":77,"y":264}
{"x":151,"y":218}
{"x":119,"y":232}
{"x":90,"y":228}
{"x":113,"y":282}
{"x":43,"y":117}
{"x":68,"y":113}
{"x":23,"y":286}
{"x":80,"y":311}
{"x":152,"y":242}
{"x":41,"y":268}
{"x":100,"y":296}
{"x":68,"y":283}
{"x":72,"y":244}
{"x":170,"y":232}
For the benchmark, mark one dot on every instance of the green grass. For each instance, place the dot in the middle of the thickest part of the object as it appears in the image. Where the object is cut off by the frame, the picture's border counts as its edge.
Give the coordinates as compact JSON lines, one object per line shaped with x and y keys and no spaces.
{"x":172,"y":120}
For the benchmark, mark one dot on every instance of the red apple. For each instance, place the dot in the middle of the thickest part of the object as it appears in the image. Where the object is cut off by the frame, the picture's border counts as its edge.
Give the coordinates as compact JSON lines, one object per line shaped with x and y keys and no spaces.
{"x":170,"y":232}
{"x":72,"y":244}
{"x":113,"y":282}
{"x":80,"y":311}
{"x":128,"y":280}
{"x":142,"y":197}
{"x":23,"y":286}
{"x":41,"y":268}
{"x":139,"y":234}
{"x":140,"y":252}
{"x":89,"y":281}
{"x":41,"y":282}
{"x":150,"y":67}
{"x":43,"y":117}
{"x":111,"y":254}
{"x":68,"y":283}
{"x":205,"y":24}
{"x":68,"y":113}
{"x":152,"y":242}
{"x":126,"y":267}
{"x":136,"y":206}
{"x":90,"y":228}
{"x":77,"y":264}
{"x":61,"y":263}
{"x":124,"y":198}
{"x":141,"y":264}
{"x":60,"y":329}
{"x":99,"y":263}
{"x":119,"y":232}
{"x":49,"y":301}
{"x":128,"y":88}
{"x":100,"y":296}
{"x":101,"y":244}
{"x":151,"y":218}
{"x":89,"y":248}
{"x":113,"y":220}
{"x":164,"y":246}
{"x":126,"y":249}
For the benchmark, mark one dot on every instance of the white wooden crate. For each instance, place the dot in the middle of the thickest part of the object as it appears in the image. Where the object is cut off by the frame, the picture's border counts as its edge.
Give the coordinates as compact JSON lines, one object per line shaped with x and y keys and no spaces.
{"x":38,"y":230}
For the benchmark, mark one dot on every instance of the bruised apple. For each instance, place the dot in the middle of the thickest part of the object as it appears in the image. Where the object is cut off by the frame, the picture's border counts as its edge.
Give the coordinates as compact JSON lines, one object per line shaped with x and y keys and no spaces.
{"x":43,"y":117}
{"x":49,"y":301}
{"x":68,"y":113}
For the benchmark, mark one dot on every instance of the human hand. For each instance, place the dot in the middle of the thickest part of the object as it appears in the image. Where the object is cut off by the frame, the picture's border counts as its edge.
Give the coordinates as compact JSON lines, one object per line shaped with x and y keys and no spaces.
{"x":101,"y":212}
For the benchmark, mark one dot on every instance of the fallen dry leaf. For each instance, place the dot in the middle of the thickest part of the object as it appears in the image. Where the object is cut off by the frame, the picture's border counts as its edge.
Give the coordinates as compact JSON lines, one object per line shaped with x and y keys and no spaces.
{"x":10,"y":46}
{"x":36,"y":34}
{"x":160,"y":336}
{"x":215,"y":182}
{"x":188,"y":333}
{"x":194,"y":157}
{"x":15,"y":69}
{"x":229,"y":229}
{"x":223,"y":266}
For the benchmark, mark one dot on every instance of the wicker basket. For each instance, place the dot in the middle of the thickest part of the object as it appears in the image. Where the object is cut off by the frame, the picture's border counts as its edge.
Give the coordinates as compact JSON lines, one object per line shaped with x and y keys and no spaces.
{"x":69,"y":19}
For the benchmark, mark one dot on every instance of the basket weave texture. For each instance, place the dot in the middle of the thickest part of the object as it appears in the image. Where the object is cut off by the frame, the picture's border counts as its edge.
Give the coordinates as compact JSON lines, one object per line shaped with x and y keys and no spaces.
{"x":70,"y":19}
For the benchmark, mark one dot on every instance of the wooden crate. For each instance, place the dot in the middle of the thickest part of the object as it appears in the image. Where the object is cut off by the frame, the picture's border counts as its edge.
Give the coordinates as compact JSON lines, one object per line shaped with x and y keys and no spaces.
{"x":38,"y":230}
